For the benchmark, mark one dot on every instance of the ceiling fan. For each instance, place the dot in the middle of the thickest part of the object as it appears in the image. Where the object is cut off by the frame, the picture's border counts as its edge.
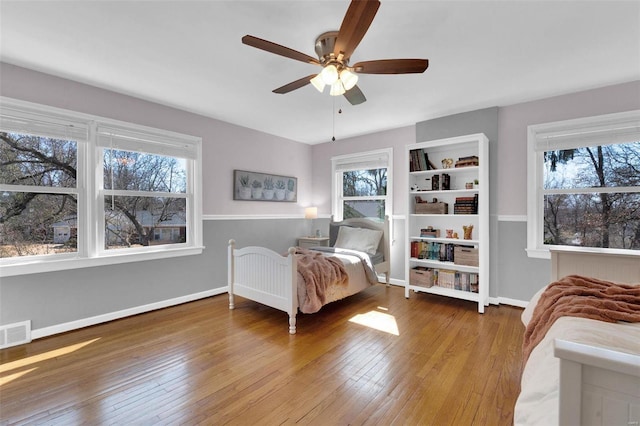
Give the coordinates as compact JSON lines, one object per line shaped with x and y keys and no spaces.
{"x":334,"y":49}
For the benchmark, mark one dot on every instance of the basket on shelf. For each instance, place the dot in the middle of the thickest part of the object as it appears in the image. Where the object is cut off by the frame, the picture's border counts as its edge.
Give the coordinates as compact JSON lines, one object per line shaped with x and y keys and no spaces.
{"x":432,"y":208}
{"x":467,"y":256}
{"x":421,"y":276}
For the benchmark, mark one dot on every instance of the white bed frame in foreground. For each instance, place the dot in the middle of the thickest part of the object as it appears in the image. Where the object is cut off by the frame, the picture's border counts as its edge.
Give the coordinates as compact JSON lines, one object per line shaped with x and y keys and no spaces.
{"x":597,"y":385}
{"x":264,"y":276}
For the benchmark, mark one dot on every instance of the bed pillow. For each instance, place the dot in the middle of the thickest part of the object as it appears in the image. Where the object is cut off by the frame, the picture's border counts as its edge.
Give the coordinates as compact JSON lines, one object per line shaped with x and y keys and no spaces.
{"x":333,"y":232}
{"x":361,"y":239}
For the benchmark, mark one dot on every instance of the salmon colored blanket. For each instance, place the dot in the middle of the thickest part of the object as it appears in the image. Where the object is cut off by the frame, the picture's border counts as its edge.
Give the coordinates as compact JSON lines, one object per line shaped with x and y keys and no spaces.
{"x":317,"y":273}
{"x":584,"y":297}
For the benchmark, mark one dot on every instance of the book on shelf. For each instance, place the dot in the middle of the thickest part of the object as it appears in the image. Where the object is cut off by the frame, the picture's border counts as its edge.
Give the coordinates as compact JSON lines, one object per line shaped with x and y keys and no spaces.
{"x":471,"y":160}
{"x":466,"y":205}
{"x":446,"y":182}
{"x":419,"y":161}
{"x":443,"y":252}
{"x":446,"y":278}
{"x":429,"y":232}
{"x":456,"y":280}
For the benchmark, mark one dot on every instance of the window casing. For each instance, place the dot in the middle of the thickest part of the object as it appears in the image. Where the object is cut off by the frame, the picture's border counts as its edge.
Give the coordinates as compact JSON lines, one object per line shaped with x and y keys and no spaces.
{"x":584,"y":185}
{"x":174,"y":228}
{"x":362,"y":185}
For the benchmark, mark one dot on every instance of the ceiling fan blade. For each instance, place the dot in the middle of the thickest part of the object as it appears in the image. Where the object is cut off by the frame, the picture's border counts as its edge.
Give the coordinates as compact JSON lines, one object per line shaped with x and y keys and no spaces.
{"x":355,"y":96}
{"x":354,"y":26}
{"x":278,"y":49}
{"x":392,"y":66}
{"x":294,"y":85}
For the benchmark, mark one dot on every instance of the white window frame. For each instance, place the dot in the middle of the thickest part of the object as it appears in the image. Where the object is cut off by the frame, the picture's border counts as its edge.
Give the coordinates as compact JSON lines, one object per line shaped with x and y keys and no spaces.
{"x":376,"y":159}
{"x":90,"y":207}
{"x":589,"y":131}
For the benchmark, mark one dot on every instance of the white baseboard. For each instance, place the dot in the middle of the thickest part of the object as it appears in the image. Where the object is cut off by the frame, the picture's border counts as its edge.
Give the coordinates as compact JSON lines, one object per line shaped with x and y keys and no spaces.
{"x":513,"y":302}
{"x":98,"y":319}
{"x":111,"y":316}
{"x":392,"y":281}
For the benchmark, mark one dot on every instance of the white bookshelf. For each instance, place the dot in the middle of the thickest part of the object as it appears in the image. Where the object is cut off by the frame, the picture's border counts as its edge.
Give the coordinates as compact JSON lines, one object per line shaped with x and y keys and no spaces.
{"x":457,"y":277}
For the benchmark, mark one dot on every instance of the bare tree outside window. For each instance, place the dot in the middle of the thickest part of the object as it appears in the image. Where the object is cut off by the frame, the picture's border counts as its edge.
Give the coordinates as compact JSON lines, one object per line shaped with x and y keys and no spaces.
{"x":38,"y":205}
{"x":592,"y":196}
{"x":134,"y":219}
{"x":364,"y":193}
{"x":43,"y":172}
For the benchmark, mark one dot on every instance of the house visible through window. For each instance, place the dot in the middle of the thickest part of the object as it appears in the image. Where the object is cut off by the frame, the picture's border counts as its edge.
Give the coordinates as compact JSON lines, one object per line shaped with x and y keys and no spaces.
{"x":362,"y":184}
{"x":144,"y":197}
{"x":585,"y":183}
{"x":39,"y":200}
{"x":76,"y":187}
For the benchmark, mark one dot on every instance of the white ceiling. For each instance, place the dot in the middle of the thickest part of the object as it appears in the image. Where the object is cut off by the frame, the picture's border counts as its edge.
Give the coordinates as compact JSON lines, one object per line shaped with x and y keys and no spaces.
{"x":188,"y":55}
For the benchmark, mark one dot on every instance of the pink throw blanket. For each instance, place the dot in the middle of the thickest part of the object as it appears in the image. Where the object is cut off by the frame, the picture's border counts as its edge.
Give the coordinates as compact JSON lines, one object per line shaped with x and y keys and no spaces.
{"x":584,"y":297}
{"x":317,"y":273}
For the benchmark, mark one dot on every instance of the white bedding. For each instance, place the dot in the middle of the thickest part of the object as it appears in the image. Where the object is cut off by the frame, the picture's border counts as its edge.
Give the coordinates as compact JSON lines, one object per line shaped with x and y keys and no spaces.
{"x":358,"y":279}
{"x":538,"y":400}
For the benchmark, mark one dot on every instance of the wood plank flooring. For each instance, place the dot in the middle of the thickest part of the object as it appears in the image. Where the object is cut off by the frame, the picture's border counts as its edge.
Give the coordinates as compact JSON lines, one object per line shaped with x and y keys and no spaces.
{"x":200,"y":363}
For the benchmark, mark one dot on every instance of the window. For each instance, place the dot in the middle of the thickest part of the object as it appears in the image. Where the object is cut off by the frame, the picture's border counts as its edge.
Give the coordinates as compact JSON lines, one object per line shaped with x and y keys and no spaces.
{"x":584,"y":184}
{"x":144,"y":189}
{"x":362,"y":185}
{"x":79,"y":190}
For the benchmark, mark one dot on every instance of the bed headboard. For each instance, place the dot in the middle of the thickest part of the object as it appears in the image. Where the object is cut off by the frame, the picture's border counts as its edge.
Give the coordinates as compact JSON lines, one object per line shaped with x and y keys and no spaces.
{"x":618,"y":267}
{"x":385,"y":242}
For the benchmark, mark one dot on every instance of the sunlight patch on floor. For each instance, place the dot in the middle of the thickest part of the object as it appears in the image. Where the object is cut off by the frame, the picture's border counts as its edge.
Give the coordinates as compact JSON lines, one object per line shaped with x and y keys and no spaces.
{"x":378,"y":320}
{"x":11,"y":377}
{"x":44,"y":356}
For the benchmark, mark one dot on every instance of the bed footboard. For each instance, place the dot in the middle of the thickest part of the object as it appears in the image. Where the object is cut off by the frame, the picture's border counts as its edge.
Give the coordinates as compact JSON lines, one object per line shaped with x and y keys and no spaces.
{"x":266,"y":277}
{"x":597,"y":385}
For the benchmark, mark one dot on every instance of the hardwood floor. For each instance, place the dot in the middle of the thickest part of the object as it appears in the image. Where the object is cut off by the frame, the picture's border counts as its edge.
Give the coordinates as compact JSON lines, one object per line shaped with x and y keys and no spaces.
{"x":200,"y":363}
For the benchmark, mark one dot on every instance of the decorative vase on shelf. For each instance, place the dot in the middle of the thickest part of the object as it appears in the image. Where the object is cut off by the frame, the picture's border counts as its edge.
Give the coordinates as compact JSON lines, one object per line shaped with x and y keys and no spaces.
{"x":468,"y":230}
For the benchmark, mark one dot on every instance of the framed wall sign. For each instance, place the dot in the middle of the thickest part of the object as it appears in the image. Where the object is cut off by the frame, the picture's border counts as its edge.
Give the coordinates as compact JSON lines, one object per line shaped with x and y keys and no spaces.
{"x":254,"y":186}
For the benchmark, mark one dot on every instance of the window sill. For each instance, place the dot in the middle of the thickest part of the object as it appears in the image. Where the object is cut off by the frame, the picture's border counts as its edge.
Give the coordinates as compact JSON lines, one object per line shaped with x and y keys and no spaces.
{"x":545,"y":253}
{"x":58,"y":264}
{"x":538,"y":253}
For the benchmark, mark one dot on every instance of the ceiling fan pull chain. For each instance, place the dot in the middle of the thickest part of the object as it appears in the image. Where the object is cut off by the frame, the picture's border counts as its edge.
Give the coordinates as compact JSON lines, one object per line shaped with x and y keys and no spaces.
{"x":333,"y":117}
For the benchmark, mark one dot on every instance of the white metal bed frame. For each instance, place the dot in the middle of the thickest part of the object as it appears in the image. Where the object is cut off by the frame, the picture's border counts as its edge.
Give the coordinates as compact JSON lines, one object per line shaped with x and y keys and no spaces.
{"x":264,"y":276}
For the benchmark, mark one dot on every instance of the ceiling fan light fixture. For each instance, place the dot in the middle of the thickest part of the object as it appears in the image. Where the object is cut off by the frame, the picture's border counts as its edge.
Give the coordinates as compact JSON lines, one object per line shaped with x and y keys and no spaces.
{"x":337,"y":89}
{"x":329,"y":74}
{"x":348,"y":79}
{"x":318,"y":83}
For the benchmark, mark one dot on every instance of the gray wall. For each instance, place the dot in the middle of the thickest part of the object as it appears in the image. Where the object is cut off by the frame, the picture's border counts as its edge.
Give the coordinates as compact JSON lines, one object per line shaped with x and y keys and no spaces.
{"x":519,"y":276}
{"x":58,"y":299}
{"x":51,"y":299}
{"x":480,"y":121}
{"x":55,"y":298}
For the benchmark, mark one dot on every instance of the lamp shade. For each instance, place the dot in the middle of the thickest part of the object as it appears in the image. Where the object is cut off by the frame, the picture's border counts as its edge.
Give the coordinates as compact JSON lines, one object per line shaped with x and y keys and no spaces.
{"x":337,"y":89}
{"x":329,"y":74}
{"x":348,"y":78}
{"x":318,"y":83}
{"x":311,"y":213}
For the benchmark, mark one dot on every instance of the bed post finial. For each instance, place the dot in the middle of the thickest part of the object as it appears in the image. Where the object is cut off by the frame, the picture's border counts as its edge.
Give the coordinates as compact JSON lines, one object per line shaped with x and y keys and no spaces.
{"x":292,"y":250}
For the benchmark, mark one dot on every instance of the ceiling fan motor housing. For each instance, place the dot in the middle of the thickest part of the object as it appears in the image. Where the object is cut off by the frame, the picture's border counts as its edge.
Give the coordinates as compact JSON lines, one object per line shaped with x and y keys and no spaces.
{"x":324,"y":47}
